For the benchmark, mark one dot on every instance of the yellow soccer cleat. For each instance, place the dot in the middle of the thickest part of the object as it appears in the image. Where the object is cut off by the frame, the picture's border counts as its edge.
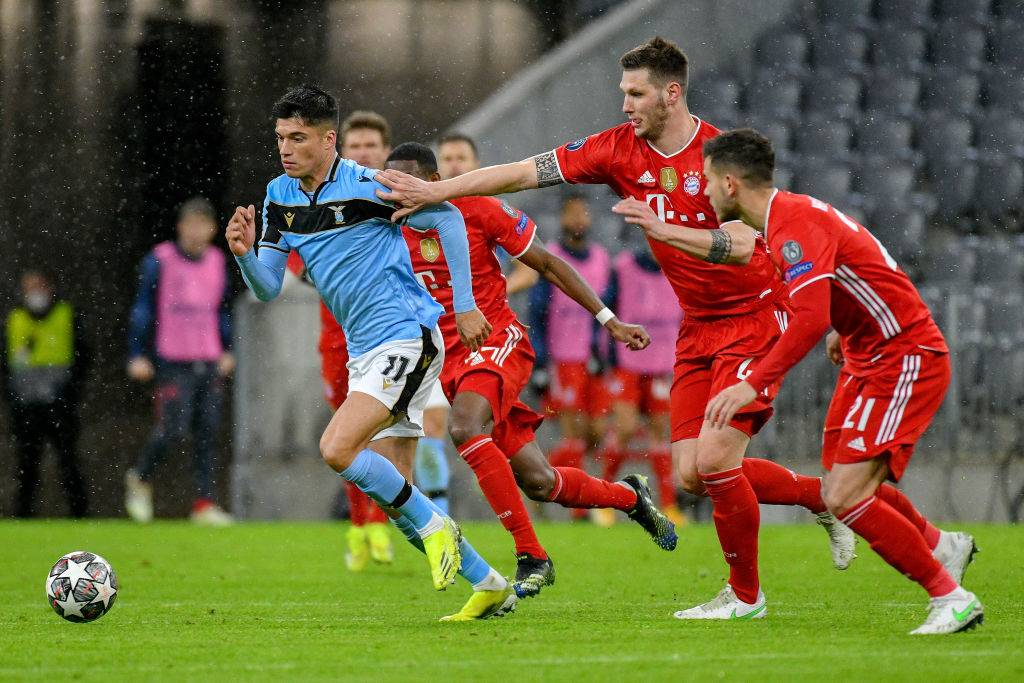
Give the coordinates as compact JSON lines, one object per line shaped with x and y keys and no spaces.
{"x":381,"y":550}
{"x":675,"y":515}
{"x":358,"y":554}
{"x":486,"y":604}
{"x":443,"y":556}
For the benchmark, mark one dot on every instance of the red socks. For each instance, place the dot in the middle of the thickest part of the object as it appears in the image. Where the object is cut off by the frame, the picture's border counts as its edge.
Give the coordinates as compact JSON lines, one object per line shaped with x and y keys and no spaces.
{"x":661,"y":464}
{"x":499,"y":486}
{"x":574,"y":488}
{"x":892,"y":536}
{"x":358,"y":504}
{"x":613,"y":458}
{"x":775,"y":485}
{"x":737,"y":518}
{"x":362,"y":509}
{"x":899,"y":502}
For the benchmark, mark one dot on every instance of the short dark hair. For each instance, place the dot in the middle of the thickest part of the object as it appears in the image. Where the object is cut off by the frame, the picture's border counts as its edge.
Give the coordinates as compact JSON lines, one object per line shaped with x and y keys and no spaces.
{"x":365,"y":119}
{"x":459,"y":137}
{"x":747,"y":151}
{"x":197,"y":206}
{"x":663,"y":60}
{"x":312,"y":104}
{"x":414,"y":151}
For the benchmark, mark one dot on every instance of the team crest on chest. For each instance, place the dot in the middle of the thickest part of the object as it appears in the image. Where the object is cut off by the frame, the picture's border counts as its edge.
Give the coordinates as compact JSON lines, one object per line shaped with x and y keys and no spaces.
{"x":339,"y":214}
{"x":669,"y":179}
{"x":288,"y":218}
{"x":430,"y":249}
{"x":691,"y":183}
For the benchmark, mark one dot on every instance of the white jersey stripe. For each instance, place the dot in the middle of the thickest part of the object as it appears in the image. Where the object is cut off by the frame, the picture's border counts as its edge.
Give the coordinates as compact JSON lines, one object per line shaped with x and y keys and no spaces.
{"x":871,"y":300}
{"x":901,"y":396}
{"x":891,"y":408}
{"x":877,"y":299}
{"x":514,"y":335}
{"x":845,"y":272}
{"x":859,"y":289}
{"x":915,"y":371}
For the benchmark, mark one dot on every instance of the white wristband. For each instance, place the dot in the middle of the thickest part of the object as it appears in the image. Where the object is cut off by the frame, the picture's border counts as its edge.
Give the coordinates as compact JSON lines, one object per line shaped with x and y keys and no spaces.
{"x":604,"y":315}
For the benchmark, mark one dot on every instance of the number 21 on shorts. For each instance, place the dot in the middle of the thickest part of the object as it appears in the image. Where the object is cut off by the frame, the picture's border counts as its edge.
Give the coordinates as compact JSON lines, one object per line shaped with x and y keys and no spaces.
{"x":851,"y":421}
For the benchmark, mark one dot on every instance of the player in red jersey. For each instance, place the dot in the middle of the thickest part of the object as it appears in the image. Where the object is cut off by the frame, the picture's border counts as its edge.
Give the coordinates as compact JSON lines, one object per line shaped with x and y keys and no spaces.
{"x":895,"y":364}
{"x":492,"y":428}
{"x":733,"y":314}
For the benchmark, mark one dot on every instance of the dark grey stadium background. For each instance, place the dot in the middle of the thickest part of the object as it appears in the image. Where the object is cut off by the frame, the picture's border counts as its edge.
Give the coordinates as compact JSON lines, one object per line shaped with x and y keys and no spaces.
{"x":909,"y":113}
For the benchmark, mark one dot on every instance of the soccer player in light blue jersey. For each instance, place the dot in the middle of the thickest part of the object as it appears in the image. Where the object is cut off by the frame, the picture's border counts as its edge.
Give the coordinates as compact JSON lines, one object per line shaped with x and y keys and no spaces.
{"x":326,"y":209}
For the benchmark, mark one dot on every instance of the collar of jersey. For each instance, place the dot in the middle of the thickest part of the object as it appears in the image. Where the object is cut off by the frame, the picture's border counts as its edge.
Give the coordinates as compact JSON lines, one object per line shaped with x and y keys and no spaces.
{"x":331,"y":177}
{"x":683,"y":148}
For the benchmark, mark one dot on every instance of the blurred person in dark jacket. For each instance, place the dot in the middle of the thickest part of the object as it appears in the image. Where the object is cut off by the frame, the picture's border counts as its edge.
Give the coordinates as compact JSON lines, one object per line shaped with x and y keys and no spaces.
{"x":43,"y":365}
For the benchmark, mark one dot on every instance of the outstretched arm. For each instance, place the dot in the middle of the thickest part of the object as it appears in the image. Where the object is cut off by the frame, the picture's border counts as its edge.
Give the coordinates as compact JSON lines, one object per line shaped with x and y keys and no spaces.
{"x":411,"y":193}
{"x":732,"y":243}
{"x":263,"y":274}
{"x":451,"y":228}
{"x":562,"y":275}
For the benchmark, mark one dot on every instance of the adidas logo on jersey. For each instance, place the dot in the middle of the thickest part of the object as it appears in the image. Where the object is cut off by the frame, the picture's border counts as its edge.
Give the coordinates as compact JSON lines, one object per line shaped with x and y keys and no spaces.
{"x":857,"y":444}
{"x":646,"y":179}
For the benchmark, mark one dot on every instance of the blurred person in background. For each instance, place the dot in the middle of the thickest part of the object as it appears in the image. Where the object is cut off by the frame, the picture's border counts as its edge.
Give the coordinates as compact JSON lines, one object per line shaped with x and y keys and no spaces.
{"x":640,"y":382}
{"x":43,"y":364}
{"x":457,"y":154}
{"x":180,"y":336}
{"x":568,"y":342}
{"x":365,"y":138}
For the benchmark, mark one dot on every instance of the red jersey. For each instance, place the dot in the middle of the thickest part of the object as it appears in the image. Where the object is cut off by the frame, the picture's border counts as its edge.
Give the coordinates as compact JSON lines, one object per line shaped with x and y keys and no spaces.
{"x":673,"y":185}
{"x":870,"y":302}
{"x":490,"y":223}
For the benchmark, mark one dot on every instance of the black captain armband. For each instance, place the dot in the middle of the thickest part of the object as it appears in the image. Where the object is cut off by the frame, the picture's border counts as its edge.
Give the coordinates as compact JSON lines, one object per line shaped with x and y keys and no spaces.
{"x":721,"y":246}
{"x":547,"y":170}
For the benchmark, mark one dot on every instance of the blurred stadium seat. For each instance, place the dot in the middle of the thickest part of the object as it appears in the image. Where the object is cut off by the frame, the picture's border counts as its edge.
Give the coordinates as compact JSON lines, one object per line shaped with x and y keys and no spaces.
{"x":899,"y":49}
{"x":840,"y":49}
{"x":958,"y":46}
{"x":845,"y":12}
{"x":917,"y":13}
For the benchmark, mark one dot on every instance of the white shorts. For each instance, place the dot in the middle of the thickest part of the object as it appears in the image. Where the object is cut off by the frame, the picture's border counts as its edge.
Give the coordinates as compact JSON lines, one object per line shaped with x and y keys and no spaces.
{"x":400,"y":374}
{"x":437,"y":398}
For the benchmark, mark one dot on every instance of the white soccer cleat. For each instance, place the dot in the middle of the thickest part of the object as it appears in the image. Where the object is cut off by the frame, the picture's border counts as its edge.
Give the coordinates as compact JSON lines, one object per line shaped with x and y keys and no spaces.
{"x":959,"y":611}
{"x":211,"y":514}
{"x":955,"y":551}
{"x":841,"y":540}
{"x":726,"y":605}
{"x":138,"y":498}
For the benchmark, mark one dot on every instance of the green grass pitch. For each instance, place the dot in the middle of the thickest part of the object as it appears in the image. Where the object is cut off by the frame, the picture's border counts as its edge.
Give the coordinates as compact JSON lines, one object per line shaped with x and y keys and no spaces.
{"x":273,"y":602}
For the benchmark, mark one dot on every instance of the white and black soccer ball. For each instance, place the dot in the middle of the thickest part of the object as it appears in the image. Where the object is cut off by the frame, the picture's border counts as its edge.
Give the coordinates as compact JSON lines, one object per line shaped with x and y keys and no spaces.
{"x":81,"y":586}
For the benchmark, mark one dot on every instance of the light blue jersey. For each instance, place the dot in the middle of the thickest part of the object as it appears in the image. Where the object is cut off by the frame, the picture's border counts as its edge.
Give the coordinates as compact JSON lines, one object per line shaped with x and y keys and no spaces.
{"x":355,"y":256}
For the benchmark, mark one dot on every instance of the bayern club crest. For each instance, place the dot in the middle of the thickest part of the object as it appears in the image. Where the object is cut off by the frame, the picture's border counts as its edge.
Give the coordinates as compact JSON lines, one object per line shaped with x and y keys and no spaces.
{"x":691,"y":183}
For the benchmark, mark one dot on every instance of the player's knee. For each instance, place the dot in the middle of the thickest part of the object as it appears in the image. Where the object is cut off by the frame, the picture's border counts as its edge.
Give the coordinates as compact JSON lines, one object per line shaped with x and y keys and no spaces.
{"x":463,"y":429}
{"x":837,"y":498}
{"x":537,"y":483}
{"x":337,"y":452}
{"x":691,"y":482}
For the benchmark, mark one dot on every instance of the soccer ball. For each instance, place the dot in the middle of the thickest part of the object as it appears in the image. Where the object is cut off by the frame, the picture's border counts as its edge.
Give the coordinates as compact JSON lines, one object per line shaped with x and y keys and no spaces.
{"x":81,"y":586}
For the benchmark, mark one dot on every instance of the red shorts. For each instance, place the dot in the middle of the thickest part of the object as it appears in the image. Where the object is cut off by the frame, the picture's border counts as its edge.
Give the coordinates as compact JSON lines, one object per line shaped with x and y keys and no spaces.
{"x":885,"y":413}
{"x":333,"y":361}
{"x":649,"y":393}
{"x":498,"y":372}
{"x":712,"y":355}
{"x":575,"y":390}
